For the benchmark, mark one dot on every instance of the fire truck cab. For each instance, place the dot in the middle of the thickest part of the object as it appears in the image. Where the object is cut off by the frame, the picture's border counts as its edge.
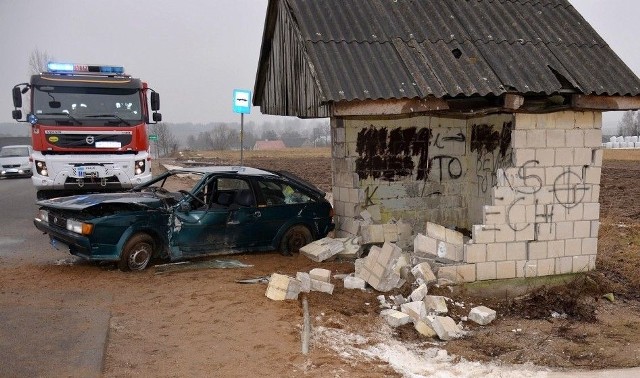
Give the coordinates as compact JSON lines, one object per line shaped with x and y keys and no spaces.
{"x":88,"y":128}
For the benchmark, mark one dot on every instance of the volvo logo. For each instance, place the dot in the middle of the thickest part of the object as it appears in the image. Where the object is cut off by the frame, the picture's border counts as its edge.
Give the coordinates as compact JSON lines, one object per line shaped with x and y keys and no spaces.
{"x":90,"y":139}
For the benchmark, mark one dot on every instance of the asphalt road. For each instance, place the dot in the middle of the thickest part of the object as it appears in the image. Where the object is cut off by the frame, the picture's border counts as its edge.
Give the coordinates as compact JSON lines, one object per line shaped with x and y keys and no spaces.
{"x":36,"y":337}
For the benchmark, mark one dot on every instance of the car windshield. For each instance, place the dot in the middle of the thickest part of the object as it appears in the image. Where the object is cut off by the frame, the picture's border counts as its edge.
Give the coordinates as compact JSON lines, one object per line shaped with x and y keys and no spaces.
{"x":87,"y":105}
{"x":14,"y":151}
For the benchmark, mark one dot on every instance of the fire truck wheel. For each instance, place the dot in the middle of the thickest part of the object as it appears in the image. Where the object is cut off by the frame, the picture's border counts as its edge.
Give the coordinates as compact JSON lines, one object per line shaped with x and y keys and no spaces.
{"x":137,"y":253}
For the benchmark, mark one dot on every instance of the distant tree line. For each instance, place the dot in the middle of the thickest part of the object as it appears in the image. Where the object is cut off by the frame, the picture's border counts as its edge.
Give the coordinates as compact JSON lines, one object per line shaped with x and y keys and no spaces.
{"x":220,"y":136}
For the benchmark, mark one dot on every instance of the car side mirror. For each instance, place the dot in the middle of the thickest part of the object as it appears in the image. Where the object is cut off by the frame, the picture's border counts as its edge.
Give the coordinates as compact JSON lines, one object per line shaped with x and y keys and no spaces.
{"x":17,"y":97}
{"x":17,"y":114}
{"x":157,"y":117}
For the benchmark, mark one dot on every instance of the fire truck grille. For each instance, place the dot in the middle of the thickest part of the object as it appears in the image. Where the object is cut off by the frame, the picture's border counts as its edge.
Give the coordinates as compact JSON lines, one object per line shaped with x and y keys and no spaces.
{"x":89,"y":140}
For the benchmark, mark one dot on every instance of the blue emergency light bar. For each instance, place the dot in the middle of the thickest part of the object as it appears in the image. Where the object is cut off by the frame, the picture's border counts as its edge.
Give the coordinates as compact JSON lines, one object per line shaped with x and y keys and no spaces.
{"x":72,"y":68}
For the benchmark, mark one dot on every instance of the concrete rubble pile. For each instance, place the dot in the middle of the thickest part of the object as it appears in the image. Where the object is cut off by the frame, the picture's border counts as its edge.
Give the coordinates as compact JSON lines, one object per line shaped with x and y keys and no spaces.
{"x":282,"y":287}
{"x":435,"y":258}
{"x":381,"y":268}
{"x":328,"y":248}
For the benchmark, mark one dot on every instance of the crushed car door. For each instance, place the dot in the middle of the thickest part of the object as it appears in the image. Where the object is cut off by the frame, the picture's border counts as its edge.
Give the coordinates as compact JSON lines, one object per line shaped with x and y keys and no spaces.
{"x":244,"y":226}
{"x":199,"y":223}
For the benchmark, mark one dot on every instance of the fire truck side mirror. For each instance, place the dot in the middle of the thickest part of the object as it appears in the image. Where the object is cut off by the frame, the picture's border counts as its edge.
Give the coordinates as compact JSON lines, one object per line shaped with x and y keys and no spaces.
{"x":17,"y":114}
{"x":157,"y":117}
{"x":17,"y":97}
{"x":155,"y":101}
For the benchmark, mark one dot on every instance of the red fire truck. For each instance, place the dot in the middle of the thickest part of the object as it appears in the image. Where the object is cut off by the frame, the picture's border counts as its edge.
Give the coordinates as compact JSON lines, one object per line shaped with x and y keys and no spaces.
{"x":88,"y":128}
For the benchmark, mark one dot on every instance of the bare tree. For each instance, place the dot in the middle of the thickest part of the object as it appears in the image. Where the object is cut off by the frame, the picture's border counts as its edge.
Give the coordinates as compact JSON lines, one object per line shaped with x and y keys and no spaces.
{"x":225,"y":138}
{"x":629,"y":124}
{"x":38,"y":61}
{"x":166,"y":142}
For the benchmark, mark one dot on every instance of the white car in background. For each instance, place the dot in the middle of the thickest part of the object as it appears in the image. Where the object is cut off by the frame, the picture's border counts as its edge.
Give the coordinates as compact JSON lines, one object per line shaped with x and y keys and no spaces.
{"x":14,"y":161}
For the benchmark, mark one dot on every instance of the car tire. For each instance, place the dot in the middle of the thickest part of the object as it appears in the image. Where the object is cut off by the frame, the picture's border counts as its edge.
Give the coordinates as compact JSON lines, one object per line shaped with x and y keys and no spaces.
{"x":295,"y":238}
{"x":137,"y":253}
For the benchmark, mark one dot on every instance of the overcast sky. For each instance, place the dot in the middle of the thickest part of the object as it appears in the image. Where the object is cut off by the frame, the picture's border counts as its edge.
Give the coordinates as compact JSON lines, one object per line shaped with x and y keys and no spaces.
{"x":195,"y":52}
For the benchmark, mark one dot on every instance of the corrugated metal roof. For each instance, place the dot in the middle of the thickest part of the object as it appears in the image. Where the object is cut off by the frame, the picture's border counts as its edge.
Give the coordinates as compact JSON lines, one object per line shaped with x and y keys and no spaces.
{"x":385,"y":49}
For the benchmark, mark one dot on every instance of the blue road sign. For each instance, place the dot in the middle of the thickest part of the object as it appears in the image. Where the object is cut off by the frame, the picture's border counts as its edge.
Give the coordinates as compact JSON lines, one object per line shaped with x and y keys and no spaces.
{"x":241,"y":101}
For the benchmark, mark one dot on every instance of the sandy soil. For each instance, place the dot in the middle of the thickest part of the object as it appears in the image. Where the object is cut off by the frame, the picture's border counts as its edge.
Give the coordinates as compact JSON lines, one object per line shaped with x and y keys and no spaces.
{"x":203,"y":323}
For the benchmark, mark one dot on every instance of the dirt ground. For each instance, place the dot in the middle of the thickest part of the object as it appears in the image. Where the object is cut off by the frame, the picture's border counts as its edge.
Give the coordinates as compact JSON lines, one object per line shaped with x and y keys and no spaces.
{"x":203,"y":323}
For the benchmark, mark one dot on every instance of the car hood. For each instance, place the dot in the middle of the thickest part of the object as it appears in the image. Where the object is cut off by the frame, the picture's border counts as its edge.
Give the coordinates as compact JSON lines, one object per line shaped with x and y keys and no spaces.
{"x":13,"y":160}
{"x":85,"y":201}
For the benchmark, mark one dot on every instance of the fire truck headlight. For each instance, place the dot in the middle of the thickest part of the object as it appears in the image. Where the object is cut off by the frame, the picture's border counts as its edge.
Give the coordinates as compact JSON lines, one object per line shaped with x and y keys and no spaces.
{"x":41,"y":168}
{"x":139,"y":167}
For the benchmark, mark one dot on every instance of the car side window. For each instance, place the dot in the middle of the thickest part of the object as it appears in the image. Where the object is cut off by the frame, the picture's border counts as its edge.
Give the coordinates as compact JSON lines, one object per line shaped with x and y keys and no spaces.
{"x":231,"y":192}
{"x":278,"y":193}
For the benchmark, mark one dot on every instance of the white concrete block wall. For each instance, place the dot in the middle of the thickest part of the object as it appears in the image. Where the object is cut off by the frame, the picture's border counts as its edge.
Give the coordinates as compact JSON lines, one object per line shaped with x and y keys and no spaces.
{"x":556,"y":194}
{"x":533,"y":208}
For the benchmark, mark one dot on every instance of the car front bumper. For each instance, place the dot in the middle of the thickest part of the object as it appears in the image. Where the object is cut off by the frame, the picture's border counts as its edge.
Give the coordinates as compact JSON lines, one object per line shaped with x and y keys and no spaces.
{"x":79,"y":245}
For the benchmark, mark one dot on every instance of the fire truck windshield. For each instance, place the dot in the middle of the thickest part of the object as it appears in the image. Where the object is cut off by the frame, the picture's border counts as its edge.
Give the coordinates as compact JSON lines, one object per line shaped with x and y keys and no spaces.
{"x":87,"y":105}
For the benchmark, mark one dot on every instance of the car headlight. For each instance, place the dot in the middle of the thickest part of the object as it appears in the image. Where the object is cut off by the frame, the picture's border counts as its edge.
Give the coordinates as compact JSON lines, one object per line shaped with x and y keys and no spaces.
{"x":43,"y":215}
{"x":79,"y":227}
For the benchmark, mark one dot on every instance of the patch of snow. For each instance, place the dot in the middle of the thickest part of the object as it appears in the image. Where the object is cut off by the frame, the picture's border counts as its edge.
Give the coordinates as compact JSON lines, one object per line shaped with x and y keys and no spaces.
{"x":414,"y":359}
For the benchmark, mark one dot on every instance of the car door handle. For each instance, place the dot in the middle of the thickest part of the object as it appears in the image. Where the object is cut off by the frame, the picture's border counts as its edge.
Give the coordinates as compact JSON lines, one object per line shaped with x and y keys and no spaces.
{"x":257,"y":214}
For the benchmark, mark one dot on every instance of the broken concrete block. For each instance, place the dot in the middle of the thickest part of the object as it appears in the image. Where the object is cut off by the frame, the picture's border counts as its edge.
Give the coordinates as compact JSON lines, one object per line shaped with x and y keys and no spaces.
{"x":435,"y":303}
{"x":366,"y":216}
{"x":383,"y":301}
{"x":350,"y":225}
{"x":416,"y":310}
{"x":390,"y":231}
{"x":419,"y":293}
{"x":424,"y":328}
{"x":372,"y":234}
{"x":322,"y":286}
{"x":423,"y":244}
{"x":282,"y":287}
{"x":380,"y":268}
{"x":322,"y":249}
{"x":305,"y":281}
{"x":353,"y":282}
{"x":423,"y":271}
{"x":405,"y":233}
{"x":482,"y":315}
{"x":399,"y":300}
{"x":352,"y":248}
{"x":441,"y":242}
{"x":395,"y":318}
{"x":320,"y":274}
{"x":436,"y":231}
{"x":454,"y":237}
{"x":445,"y":327}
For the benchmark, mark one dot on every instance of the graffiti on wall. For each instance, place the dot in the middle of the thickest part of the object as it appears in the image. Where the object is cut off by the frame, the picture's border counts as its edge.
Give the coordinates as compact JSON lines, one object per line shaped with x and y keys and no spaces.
{"x":568,"y":190}
{"x":391,"y":155}
{"x":492,"y":152}
{"x":388,"y":155}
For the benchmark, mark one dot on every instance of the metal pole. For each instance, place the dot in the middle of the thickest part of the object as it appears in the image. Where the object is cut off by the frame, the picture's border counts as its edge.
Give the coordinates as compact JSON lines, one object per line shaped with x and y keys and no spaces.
{"x":241,"y":136}
{"x":306,"y":328}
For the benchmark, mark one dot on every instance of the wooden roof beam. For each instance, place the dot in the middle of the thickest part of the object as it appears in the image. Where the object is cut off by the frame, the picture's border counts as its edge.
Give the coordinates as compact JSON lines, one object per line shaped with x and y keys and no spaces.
{"x":388,"y":107}
{"x":605,"y":102}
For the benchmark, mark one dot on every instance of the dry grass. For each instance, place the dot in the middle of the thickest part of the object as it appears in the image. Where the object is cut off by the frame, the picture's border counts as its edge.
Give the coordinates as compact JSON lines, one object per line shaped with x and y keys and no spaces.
{"x":229,"y":156}
{"x":621,"y":154}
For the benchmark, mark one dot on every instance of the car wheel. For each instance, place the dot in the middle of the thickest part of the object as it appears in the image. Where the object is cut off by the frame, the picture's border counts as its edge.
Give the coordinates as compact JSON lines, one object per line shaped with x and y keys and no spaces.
{"x":295,"y":238}
{"x":137,"y":253}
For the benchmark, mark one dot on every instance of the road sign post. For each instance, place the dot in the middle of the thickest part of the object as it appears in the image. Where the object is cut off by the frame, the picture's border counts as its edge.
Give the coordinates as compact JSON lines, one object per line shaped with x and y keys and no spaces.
{"x":242,"y":105}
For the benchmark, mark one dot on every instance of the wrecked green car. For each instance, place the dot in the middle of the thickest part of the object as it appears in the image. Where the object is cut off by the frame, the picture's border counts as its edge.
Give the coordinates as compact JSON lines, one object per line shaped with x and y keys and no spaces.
{"x":189,"y":212}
